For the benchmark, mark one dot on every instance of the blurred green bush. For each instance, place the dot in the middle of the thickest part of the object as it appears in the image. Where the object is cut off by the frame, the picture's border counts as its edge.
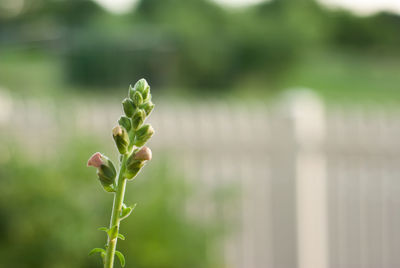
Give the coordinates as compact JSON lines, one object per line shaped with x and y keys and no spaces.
{"x":50,"y":209}
{"x":198,"y":46}
{"x":194,"y":44}
{"x":187,"y":43}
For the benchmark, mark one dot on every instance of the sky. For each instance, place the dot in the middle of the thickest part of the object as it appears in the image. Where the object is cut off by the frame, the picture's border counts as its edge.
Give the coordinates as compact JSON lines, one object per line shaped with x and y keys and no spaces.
{"x":360,"y":7}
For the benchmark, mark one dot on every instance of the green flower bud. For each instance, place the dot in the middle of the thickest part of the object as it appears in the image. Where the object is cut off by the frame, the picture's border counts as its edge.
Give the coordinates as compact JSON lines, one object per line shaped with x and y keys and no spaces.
{"x":143,"y":134}
{"x":121,"y":139}
{"x":133,"y":169}
{"x":137,"y":98}
{"x":125,"y":122}
{"x":105,"y":170}
{"x":138,"y":119}
{"x":147,"y":107}
{"x":146,"y":94}
{"x":129,"y":107}
{"x":131,"y":92}
{"x":141,"y":85}
{"x":136,"y":161}
{"x":104,"y":179}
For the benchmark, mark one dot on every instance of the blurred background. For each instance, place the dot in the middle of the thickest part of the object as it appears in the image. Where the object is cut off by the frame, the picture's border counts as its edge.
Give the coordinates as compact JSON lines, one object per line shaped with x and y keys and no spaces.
{"x":277,"y":131}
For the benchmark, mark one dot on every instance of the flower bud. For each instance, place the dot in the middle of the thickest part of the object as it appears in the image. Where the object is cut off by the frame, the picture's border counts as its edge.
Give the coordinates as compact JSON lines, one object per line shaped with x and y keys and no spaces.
{"x":137,"y":98}
{"x":105,"y":170}
{"x":131,"y":92}
{"x":143,"y":134}
{"x":121,"y":139}
{"x":147,"y":107}
{"x":143,"y":154}
{"x":141,"y":85}
{"x":133,"y":168}
{"x":125,"y":122}
{"x":129,"y":107}
{"x":136,"y":161}
{"x":138,"y":119}
{"x":95,"y":160}
{"x":104,"y":176}
{"x":146,"y":94}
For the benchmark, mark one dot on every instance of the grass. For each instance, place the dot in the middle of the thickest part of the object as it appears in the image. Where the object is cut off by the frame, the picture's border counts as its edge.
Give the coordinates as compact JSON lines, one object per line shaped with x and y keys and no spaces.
{"x":354,"y":78}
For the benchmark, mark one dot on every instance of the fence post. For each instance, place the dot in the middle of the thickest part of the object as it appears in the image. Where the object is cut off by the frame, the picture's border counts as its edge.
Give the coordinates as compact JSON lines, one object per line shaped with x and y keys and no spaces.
{"x":311,"y":180}
{"x":5,"y":106}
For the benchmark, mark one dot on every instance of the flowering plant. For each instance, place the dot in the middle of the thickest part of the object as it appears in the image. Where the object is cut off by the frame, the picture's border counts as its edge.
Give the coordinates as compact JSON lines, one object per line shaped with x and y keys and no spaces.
{"x":130,"y":136}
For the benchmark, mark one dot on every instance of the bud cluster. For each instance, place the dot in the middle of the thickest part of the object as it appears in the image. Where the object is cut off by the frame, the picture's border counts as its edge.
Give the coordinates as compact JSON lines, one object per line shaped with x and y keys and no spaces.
{"x":130,"y":136}
{"x":137,"y":107}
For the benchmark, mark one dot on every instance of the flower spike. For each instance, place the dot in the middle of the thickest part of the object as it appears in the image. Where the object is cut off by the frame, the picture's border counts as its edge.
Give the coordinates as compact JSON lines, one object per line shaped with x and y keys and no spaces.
{"x":130,"y":136}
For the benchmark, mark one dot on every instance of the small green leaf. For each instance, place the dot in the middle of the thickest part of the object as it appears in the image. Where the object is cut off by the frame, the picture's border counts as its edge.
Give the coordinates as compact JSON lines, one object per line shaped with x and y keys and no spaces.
{"x":126,"y":211}
{"x":120,"y":236}
{"x":105,"y":229}
{"x":120,"y":257}
{"x":95,"y":250}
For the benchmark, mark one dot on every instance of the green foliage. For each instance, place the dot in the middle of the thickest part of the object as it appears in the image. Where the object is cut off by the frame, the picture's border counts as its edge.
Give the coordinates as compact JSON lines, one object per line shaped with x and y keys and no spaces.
{"x":52,"y":219}
{"x":110,"y":232}
{"x":120,"y":257}
{"x":50,"y":205}
{"x":378,"y":33}
{"x":260,"y":44}
{"x":96,"y":250}
{"x":105,"y":229}
{"x":121,"y":236}
{"x":189,"y":45}
{"x":167,"y":235}
{"x":162,"y":45}
{"x":126,"y":136}
{"x":126,"y":211}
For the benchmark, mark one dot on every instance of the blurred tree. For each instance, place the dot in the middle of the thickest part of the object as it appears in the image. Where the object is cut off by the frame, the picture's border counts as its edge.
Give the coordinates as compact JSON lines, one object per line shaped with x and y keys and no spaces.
{"x":194,"y":44}
{"x":380,"y":32}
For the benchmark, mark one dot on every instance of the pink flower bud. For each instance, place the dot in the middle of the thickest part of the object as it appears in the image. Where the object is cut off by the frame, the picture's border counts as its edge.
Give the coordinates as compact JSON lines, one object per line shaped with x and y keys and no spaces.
{"x":95,"y":160}
{"x":143,"y":154}
{"x":121,"y":139}
{"x":117,"y":131}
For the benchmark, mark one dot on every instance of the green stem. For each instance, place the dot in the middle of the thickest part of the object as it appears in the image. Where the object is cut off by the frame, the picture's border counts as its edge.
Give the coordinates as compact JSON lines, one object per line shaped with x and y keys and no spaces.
{"x":115,"y":216}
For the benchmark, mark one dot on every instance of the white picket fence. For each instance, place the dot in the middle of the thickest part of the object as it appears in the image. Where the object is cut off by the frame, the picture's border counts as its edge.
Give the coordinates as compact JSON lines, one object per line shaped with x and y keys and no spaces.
{"x":320,"y":186}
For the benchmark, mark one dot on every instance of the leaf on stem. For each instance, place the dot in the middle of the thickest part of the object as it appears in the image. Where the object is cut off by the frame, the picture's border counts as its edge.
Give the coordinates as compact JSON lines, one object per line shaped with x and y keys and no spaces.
{"x":120,"y":236}
{"x":105,"y":229}
{"x":126,"y":211}
{"x":120,"y":257}
{"x":96,"y":250}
